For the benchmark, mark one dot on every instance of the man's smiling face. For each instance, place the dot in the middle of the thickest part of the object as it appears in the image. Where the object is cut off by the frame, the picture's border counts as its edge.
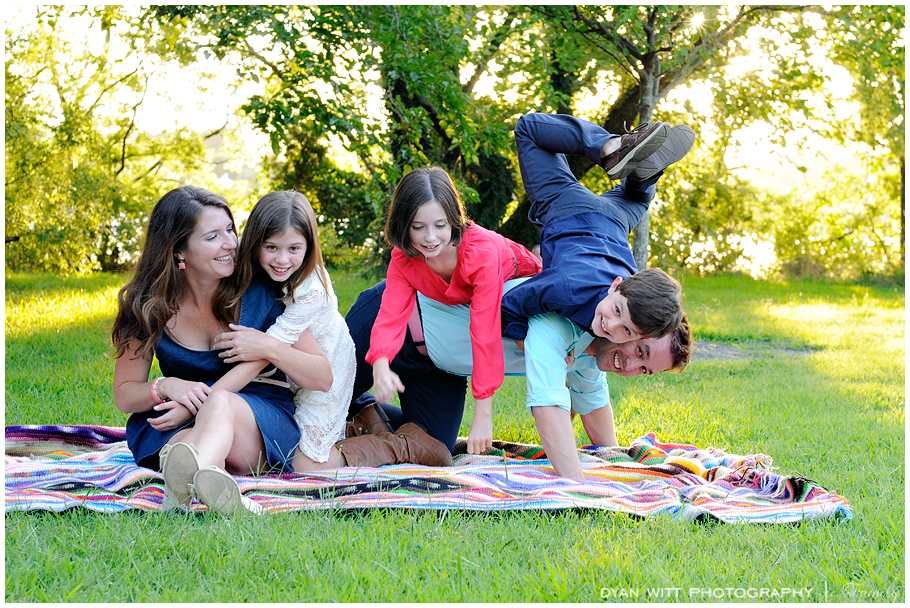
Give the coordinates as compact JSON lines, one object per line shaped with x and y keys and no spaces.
{"x":642,"y":356}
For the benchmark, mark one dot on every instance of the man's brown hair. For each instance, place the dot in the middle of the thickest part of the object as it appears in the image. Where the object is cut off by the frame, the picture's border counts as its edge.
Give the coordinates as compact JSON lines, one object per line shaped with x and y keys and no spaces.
{"x":681,"y":345}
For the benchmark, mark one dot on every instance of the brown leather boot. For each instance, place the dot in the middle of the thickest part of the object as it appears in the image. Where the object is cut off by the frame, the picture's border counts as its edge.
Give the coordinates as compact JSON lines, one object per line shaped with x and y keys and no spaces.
{"x":370,"y":421}
{"x":409,"y":444}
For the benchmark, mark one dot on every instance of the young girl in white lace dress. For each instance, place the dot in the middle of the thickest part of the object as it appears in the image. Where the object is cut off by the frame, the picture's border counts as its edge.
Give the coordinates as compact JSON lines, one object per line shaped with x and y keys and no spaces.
{"x":280,"y":242}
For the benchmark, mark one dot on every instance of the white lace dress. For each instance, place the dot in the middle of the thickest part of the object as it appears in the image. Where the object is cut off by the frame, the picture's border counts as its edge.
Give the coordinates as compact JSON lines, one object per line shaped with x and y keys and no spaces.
{"x":320,"y":416}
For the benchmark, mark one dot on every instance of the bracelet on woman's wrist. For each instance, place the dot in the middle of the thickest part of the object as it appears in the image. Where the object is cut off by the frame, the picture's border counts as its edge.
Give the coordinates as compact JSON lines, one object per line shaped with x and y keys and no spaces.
{"x":155,"y":395}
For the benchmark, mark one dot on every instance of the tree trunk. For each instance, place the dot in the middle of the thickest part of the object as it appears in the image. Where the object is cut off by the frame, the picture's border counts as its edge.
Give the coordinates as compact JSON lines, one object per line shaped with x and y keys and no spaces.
{"x":518,"y":227}
{"x":903,"y":215}
{"x":624,"y":111}
{"x":641,"y":239}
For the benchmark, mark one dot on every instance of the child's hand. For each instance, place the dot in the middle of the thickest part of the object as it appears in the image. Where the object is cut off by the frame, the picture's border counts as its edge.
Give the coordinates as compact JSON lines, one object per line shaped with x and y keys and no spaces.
{"x":243,"y":344}
{"x":570,"y":358}
{"x":480,"y":437}
{"x":190,"y":395}
{"x":386,"y":383}
{"x":174,"y":416}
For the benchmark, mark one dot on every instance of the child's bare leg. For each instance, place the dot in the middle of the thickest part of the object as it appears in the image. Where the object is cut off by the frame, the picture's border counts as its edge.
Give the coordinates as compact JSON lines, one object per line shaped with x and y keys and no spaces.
{"x":302,"y":462}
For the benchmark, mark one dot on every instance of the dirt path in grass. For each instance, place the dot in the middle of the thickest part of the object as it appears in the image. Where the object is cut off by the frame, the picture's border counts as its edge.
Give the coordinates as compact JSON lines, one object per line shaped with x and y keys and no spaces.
{"x":707,"y":351}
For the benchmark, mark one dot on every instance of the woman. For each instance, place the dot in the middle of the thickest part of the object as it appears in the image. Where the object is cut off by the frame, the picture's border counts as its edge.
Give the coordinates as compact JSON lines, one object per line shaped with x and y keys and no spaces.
{"x":175,"y":308}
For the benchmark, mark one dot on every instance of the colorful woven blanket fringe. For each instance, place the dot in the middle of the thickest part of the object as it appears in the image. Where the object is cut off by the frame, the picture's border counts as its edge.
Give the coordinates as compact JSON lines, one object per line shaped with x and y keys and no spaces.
{"x":55,"y":468}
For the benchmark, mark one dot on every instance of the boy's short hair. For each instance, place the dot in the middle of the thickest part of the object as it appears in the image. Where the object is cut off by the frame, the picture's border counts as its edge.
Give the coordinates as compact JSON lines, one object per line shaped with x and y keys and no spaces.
{"x":654,"y":299}
{"x":681,"y":345}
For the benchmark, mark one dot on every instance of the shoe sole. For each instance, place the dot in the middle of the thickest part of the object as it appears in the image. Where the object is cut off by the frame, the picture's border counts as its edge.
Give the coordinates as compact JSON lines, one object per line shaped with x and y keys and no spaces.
{"x":220,"y":493}
{"x":178,"y":466}
{"x":644,"y":149}
{"x":678,"y":144}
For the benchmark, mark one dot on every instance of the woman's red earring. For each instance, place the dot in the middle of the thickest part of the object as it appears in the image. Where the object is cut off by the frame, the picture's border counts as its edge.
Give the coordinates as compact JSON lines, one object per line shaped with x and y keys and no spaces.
{"x":181,"y":265}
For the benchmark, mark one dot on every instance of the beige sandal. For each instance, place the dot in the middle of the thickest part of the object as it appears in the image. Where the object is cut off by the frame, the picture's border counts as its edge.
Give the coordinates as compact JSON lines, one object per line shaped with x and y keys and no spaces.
{"x":221,"y":493}
{"x":179,"y":464}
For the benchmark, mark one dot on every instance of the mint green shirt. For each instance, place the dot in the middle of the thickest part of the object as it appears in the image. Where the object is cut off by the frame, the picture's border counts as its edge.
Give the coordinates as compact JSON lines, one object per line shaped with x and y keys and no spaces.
{"x":550,"y":339}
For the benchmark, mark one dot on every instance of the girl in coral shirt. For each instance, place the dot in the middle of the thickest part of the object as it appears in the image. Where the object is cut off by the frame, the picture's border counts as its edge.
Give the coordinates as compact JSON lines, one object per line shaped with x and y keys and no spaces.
{"x":439,"y":252}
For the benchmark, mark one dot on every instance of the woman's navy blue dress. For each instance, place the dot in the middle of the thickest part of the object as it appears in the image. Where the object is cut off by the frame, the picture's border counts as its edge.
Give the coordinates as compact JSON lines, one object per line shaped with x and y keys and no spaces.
{"x":273,"y":406}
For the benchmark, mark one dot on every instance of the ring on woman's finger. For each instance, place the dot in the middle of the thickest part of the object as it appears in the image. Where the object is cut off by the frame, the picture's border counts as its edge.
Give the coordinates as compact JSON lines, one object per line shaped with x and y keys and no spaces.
{"x":231,"y":352}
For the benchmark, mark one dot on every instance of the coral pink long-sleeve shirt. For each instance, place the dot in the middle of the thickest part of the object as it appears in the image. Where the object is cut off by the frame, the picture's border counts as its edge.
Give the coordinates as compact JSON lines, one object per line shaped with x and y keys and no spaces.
{"x":486,"y":260}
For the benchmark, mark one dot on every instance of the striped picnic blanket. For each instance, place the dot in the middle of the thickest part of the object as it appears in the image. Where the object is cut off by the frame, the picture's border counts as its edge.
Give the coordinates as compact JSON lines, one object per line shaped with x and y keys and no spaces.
{"x":56,"y":468}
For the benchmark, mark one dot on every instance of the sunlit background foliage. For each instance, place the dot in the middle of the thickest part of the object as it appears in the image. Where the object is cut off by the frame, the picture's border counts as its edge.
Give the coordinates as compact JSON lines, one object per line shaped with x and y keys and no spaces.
{"x":348,"y":98}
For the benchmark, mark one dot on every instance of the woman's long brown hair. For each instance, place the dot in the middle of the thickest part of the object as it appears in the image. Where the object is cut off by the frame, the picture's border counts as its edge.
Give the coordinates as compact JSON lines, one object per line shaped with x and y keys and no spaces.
{"x":152,"y":296}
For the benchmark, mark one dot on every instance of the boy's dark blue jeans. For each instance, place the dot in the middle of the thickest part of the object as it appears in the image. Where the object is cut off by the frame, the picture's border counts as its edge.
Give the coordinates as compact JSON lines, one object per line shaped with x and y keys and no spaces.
{"x":433,"y":398}
{"x":543,"y":140}
{"x":584,"y":242}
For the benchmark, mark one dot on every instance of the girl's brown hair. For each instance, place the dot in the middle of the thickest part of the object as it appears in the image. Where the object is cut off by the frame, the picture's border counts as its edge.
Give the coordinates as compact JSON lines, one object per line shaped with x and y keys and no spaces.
{"x":414,"y":190}
{"x":151,"y":297}
{"x":272,"y":214}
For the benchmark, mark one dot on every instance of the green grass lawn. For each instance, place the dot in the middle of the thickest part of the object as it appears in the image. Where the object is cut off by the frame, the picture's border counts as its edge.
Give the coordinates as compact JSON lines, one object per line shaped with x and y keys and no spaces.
{"x":834,"y":412}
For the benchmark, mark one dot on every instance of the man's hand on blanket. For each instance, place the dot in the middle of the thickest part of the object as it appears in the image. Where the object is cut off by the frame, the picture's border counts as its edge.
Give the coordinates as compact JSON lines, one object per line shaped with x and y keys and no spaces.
{"x":175,"y":415}
{"x":480,"y":437}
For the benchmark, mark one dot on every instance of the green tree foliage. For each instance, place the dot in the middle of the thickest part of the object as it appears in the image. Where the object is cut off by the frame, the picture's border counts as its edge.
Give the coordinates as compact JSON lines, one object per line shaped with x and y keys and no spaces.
{"x":80,"y":177}
{"x":699,"y":220}
{"x":869,"y":42}
{"x":397,"y":87}
{"x":654,"y":49}
{"x":322,"y":64}
{"x":851,"y":223}
{"x":705,"y":211}
{"x":840,"y":231}
{"x":341,"y":197}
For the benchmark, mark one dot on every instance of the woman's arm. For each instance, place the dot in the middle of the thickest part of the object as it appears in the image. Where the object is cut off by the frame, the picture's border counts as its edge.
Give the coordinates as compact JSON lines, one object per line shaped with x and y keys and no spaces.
{"x":390,"y":328}
{"x":488,"y":370}
{"x":480,"y":435}
{"x":300,"y":312}
{"x":385,"y":382}
{"x":304,"y":362}
{"x":133,"y":391}
{"x":486,"y":340}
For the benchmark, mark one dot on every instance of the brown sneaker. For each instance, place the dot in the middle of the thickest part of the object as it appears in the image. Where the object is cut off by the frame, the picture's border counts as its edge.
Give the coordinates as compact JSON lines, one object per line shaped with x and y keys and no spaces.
{"x":638,"y":144}
{"x":369,"y":421}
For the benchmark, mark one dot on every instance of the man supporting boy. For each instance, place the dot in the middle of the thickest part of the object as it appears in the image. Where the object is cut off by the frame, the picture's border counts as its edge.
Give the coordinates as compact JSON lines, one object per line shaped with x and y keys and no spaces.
{"x":564,"y":367}
{"x":589,"y":275}
{"x":433,"y":364}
